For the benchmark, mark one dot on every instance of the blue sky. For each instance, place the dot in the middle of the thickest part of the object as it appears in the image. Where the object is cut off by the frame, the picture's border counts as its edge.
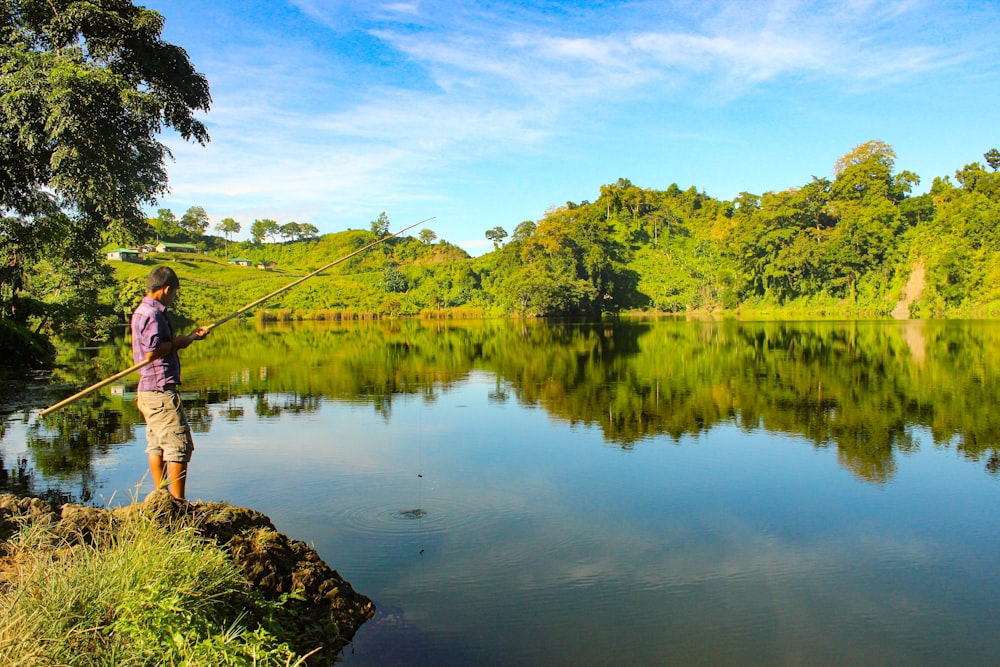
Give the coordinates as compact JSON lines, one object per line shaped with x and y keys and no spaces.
{"x":488,"y":113}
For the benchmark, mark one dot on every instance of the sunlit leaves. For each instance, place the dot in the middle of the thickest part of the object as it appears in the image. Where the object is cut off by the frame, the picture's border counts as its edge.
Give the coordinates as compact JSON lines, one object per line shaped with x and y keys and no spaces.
{"x":85,"y":88}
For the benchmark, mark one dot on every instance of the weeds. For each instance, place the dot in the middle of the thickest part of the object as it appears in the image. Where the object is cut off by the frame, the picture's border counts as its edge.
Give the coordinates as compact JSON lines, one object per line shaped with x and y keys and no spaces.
{"x":137,"y":595}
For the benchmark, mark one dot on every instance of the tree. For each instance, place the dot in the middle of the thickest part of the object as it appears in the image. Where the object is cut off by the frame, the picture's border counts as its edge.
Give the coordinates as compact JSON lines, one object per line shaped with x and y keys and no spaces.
{"x":85,"y":88}
{"x":865,"y":201}
{"x":427,"y":236}
{"x":380,"y":227}
{"x":523,"y":231}
{"x":393,"y":280}
{"x":165,"y":224}
{"x":289,"y":230}
{"x":308,"y":231}
{"x":263,"y":228}
{"x":992,"y":158}
{"x":228,"y":227}
{"x":497,"y":235}
{"x":195,"y":221}
{"x":969,"y":175}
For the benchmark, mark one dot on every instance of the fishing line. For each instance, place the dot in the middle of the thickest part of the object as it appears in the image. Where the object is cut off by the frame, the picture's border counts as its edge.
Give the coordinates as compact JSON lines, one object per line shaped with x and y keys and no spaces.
{"x":420,"y":477}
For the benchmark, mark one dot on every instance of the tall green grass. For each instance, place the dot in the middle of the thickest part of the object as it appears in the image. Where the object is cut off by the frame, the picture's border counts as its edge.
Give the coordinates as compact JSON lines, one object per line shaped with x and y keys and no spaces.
{"x":138,"y":594}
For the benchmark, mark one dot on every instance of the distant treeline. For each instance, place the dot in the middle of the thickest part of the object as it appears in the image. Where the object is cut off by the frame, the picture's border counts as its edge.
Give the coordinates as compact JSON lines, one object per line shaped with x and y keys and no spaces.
{"x":861,"y":245}
{"x":847,"y":247}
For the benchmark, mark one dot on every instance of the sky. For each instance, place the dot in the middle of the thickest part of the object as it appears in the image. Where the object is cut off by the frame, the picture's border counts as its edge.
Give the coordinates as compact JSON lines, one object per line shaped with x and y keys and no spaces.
{"x":482,"y":114}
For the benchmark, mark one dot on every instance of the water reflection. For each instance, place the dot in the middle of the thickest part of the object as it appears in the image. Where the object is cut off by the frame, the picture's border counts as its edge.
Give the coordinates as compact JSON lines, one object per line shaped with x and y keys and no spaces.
{"x":861,"y":388}
{"x":643,"y":493}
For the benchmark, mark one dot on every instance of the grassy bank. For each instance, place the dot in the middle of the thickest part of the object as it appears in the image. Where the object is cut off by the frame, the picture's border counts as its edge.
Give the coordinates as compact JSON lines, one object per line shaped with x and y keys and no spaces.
{"x":130,"y":592}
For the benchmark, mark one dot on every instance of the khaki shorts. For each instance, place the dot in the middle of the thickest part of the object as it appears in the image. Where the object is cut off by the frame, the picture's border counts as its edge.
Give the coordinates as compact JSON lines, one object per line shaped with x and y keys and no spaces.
{"x":167,"y":431}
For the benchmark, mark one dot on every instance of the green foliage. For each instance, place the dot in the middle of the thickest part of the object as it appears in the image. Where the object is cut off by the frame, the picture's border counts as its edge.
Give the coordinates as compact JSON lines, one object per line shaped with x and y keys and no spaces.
{"x":166,"y":226}
{"x":139,"y":595}
{"x":844,"y":248}
{"x":194,"y":221}
{"x":380,"y":226}
{"x":496,"y":235}
{"x":84,"y":89}
{"x":960,"y":245}
{"x":261,"y":229}
{"x":992,"y":157}
{"x":861,"y":387}
{"x":22,"y":348}
{"x":393,"y":280}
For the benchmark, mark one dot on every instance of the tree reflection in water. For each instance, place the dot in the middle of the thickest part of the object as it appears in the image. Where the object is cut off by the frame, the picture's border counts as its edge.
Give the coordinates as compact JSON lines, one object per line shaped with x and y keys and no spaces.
{"x":861,"y":387}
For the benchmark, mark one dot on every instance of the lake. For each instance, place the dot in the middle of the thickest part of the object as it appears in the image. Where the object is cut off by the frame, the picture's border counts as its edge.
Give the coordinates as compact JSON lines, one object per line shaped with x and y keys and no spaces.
{"x":530,"y":493}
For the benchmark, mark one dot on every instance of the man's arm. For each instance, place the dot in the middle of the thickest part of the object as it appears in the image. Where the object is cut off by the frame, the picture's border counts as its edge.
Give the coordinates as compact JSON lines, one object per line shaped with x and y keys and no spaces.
{"x":179,"y":342}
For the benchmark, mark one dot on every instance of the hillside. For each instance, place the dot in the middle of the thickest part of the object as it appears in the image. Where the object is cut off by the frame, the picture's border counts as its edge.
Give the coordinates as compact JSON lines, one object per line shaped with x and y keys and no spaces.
{"x":370,"y":284}
{"x":857,"y":246}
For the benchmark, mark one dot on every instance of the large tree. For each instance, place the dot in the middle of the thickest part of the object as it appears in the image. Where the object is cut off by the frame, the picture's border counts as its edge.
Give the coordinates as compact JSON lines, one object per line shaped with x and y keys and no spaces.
{"x":166,"y":225}
{"x":380,"y":227}
{"x":195,"y":221}
{"x":497,"y":235}
{"x":289,"y":230}
{"x":260,"y":229}
{"x":85,"y":89}
{"x":228,"y":227}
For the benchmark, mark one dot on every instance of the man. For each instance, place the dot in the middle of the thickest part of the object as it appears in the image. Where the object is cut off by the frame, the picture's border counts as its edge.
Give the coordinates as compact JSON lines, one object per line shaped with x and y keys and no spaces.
{"x":168,"y":436}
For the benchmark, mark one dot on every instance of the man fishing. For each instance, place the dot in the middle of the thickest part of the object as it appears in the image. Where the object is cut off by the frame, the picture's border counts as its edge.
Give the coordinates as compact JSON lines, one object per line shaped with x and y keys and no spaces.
{"x":149,"y":350}
{"x":169,"y":442}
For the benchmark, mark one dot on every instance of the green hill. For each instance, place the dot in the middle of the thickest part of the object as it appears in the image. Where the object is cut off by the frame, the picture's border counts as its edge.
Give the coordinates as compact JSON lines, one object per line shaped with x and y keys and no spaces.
{"x":371,"y":284}
{"x":856,"y":246}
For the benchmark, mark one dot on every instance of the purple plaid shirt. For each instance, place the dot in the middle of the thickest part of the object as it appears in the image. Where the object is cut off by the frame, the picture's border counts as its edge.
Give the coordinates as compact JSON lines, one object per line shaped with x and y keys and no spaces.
{"x":149,"y":327}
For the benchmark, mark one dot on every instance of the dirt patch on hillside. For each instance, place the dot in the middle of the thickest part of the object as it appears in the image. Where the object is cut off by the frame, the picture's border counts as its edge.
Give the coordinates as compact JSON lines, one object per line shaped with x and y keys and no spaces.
{"x":272,"y":562}
{"x":911,"y":292}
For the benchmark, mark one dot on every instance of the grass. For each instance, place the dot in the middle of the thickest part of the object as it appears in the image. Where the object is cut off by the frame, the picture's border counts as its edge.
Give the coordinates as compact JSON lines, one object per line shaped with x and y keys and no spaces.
{"x":135,"y":594}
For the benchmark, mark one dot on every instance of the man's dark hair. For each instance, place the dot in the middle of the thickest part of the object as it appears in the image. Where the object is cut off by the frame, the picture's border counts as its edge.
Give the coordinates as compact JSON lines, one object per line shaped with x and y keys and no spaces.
{"x":162,"y":276}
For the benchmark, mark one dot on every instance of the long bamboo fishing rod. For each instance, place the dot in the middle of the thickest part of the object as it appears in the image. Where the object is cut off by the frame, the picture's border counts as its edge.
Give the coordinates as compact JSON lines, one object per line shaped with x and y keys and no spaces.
{"x":128,"y":371}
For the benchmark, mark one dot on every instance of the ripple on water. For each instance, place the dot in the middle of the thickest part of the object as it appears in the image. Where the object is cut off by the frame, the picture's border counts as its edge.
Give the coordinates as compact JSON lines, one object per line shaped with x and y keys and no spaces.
{"x":432,"y":515}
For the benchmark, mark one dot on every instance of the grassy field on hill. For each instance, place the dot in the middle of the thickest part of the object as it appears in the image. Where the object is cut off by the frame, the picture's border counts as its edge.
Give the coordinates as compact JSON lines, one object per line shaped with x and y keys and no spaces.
{"x":372,"y":284}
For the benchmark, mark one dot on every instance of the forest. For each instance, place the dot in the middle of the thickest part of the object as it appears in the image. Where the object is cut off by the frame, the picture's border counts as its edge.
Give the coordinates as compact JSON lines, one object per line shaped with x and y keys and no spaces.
{"x":86,"y":89}
{"x":844,"y":248}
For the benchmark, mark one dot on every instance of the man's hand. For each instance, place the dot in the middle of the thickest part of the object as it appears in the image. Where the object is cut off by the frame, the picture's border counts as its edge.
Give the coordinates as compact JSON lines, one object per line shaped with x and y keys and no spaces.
{"x":183,"y":340}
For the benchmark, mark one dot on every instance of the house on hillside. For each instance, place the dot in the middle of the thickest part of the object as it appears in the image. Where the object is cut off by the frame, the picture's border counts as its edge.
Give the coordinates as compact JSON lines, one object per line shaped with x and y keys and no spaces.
{"x":239,"y":261}
{"x":123,"y":255}
{"x":162,"y":246}
{"x":267,"y":266}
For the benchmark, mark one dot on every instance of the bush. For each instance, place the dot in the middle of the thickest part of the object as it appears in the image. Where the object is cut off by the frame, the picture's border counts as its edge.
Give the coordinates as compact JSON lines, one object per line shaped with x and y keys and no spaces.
{"x":138,"y":594}
{"x":24,"y":349}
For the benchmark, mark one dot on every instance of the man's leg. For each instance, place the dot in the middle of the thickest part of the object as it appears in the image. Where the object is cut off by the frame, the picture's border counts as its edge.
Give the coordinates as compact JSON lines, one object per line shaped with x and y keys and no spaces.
{"x":178,"y":478}
{"x":156,"y":470}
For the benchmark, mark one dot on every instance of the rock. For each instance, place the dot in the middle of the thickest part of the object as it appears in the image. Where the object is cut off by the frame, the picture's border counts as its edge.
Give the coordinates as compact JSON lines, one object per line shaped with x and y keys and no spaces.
{"x":279,"y":566}
{"x":79,"y":524}
{"x":14,"y":509}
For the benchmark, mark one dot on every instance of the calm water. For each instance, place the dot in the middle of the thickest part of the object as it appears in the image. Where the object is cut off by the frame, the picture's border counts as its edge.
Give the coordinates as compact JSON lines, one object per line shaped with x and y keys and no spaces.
{"x":651,"y":493}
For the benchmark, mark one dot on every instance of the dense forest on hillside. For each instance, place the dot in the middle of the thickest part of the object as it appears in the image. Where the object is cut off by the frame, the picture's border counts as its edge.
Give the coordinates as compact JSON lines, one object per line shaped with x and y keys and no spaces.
{"x":841,"y":248}
{"x":846,"y":247}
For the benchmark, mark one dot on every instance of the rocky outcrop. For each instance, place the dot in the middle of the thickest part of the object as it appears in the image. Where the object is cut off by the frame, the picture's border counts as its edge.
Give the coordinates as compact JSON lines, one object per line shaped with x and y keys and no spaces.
{"x":331,"y":610}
